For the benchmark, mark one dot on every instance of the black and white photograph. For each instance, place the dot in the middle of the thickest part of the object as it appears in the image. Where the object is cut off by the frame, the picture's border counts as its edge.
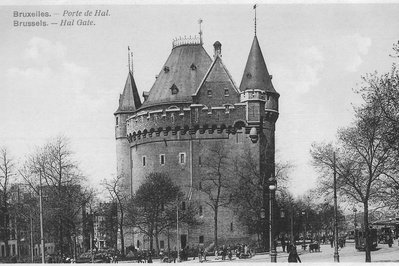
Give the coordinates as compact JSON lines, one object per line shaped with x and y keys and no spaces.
{"x":199,"y":131}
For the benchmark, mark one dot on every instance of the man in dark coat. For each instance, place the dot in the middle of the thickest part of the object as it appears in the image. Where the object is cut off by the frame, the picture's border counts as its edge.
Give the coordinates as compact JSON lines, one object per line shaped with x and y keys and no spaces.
{"x":293,"y":255}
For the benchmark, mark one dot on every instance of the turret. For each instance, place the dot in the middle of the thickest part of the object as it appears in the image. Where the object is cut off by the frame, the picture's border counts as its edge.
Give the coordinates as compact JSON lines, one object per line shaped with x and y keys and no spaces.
{"x":129,"y":102}
{"x":256,"y":86}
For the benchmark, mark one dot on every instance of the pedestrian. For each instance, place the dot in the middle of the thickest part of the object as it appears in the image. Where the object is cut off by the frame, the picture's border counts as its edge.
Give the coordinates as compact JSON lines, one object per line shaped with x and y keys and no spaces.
{"x":174,"y":255}
{"x":199,"y":254}
{"x":283,"y":243}
{"x":224,"y":252}
{"x":390,"y":241}
{"x":293,"y":255}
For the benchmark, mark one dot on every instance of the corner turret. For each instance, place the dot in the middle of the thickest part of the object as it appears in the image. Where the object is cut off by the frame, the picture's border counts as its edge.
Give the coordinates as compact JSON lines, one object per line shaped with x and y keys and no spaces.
{"x":129,"y":102}
{"x":256,"y":86}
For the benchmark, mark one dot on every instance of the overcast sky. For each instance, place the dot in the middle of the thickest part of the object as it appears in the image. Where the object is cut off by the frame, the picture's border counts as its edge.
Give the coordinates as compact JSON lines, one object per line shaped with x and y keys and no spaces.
{"x":67,"y":80}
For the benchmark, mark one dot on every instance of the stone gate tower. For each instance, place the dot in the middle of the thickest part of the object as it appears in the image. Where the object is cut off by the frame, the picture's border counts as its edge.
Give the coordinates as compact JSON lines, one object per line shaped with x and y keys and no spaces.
{"x":192,"y":106}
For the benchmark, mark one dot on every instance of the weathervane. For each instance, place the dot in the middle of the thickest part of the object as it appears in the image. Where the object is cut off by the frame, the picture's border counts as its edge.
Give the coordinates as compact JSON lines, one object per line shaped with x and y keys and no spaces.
{"x":255,"y":17}
{"x":200,"y":32}
{"x":130,"y":59}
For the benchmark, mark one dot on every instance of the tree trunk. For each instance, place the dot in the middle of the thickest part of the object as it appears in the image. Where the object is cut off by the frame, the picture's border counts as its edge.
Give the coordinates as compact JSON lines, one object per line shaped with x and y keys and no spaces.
{"x":122,"y":236}
{"x":61,"y":243}
{"x":6,"y":231}
{"x":151,"y":235}
{"x":156,"y":240}
{"x":367,"y":232}
{"x":216,"y":227}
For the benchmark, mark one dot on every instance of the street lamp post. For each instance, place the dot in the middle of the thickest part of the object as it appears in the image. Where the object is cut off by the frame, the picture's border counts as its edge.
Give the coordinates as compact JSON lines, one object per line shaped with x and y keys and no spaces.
{"x":336,"y":254}
{"x":41,"y":218}
{"x":355,"y":224}
{"x":355,"y":210}
{"x":255,"y":137}
{"x":292,"y":227}
{"x":304,"y":231}
{"x":272,"y":189}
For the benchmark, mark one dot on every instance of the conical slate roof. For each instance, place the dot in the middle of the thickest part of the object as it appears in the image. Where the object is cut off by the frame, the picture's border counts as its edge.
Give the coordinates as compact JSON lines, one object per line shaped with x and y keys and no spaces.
{"x":129,"y":100}
{"x":255,"y":74}
{"x":184,"y":70}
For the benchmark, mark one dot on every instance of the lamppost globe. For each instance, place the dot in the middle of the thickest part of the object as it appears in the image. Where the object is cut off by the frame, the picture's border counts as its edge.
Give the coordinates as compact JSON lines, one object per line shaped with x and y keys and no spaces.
{"x":282,"y":213}
{"x":272,"y":187}
{"x":262,"y":213}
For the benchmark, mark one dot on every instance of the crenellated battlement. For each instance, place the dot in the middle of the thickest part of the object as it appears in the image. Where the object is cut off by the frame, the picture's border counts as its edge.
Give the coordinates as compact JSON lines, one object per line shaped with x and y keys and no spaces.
{"x":186,"y":40}
{"x":196,"y":117}
{"x":253,"y":95}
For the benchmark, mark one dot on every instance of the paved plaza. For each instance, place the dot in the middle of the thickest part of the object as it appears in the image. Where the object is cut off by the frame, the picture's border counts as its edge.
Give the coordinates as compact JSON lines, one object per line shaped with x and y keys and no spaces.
{"x":348,"y":254}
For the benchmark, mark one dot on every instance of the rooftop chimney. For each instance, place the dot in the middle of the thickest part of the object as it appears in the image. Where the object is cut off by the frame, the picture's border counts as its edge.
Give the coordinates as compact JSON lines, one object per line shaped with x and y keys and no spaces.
{"x":217,"y":49}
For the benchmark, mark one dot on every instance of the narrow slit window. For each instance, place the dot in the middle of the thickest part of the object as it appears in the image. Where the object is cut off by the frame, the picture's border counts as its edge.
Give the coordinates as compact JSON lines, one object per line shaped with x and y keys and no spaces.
{"x":182,"y":158}
{"x":162,"y":159}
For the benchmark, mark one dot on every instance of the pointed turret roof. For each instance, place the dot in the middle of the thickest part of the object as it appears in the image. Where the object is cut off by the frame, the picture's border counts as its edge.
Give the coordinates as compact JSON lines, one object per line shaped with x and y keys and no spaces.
{"x":255,"y":74}
{"x":129,"y":100}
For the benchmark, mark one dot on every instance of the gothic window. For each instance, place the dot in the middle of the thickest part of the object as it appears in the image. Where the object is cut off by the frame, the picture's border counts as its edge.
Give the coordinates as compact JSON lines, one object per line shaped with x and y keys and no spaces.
{"x":183,"y":206}
{"x":226,"y":92}
{"x":166,"y":69}
{"x":144,"y":160}
{"x":200,"y":213}
{"x":174,"y":89}
{"x":193,"y":67}
{"x":231,"y":227}
{"x":200,"y":185}
{"x":162,"y":159}
{"x":209,"y":93}
{"x":162,"y":244}
{"x":117,"y":120}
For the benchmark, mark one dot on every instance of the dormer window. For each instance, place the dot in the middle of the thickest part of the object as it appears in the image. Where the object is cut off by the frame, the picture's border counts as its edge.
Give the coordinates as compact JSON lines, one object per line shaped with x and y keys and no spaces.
{"x":166,"y":69}
{"x":174,"y":89}
{"x":193,"y":67}
{"x":226,"y":92}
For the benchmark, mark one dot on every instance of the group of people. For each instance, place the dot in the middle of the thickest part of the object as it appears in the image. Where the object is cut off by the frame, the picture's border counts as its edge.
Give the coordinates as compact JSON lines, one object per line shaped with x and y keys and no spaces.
{"x":224,"y":252}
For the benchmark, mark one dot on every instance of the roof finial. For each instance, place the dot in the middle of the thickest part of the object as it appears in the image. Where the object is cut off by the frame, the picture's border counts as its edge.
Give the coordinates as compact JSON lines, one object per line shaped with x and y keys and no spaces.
{"x":255,"y":17}
{"x":131,"y":55}
{"x":128,"y":57}
{"x":200,"y":32}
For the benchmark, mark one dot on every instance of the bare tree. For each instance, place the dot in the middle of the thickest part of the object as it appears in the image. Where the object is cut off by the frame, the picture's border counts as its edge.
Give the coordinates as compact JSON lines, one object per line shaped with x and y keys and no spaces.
{"x":52,"y":165}
{"x":248,"y":191}
{"x":153,"y":207}
{"x":7,"y":173}
{"x":216,"y":181}
{"x":119,"y":194}
{"x":363,"y":156}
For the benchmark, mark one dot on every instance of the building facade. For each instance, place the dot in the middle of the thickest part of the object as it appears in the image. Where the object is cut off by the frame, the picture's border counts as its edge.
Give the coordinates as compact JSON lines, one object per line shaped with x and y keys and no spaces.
{"x":195,"y":105}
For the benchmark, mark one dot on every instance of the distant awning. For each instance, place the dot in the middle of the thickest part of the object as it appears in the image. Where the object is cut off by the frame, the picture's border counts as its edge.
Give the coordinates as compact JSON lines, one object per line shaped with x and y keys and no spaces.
{"x":386,"y":222}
